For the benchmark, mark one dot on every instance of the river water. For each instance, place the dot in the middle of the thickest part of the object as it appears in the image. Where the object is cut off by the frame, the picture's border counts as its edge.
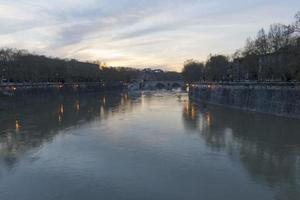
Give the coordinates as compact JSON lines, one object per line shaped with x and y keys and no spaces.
{"x":140,"y":146}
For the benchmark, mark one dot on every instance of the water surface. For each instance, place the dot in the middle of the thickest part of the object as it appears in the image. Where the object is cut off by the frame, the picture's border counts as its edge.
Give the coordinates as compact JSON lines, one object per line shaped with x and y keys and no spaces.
{"x":144,"y":146}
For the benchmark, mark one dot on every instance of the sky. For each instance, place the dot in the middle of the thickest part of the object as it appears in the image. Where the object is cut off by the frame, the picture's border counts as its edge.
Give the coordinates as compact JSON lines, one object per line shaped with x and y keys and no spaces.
{"x":137,"y":33}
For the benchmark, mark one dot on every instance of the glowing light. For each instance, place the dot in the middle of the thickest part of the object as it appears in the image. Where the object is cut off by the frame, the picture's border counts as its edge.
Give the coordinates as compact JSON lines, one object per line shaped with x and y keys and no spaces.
{"x":103,"y":65}
{"x":208,"y":118}
{"x":210,"y":87}
{"x":77,"y":105}
{"x":61,"y":109}
{"x":193,"y":112}
{"x":18,"y":126}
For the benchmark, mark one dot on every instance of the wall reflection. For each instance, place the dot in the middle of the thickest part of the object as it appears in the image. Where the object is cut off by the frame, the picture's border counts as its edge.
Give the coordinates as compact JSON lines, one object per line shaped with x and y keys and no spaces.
{"x":194,"y":117}
{"x":267,"y":146}
{"x":190,"y":115}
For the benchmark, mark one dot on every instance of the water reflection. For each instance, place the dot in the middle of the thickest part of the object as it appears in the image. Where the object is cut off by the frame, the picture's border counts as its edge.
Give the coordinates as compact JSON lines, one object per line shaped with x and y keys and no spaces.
{"x":194,"y":119}
{"x":18,"y":126}
{"x":77,"y":105}
{"x":267,"y":146}
{"x":191,"y":115}
{"x":156,"y":142}
{"x":61,"y":110}
{"x":39,"y":121}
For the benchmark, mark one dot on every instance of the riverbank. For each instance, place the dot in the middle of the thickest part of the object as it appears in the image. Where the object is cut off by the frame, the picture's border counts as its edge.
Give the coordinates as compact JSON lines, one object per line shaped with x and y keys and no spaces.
{"x":277,"y":98}
{"x":12,"y":89}
{"x":19,"y":92}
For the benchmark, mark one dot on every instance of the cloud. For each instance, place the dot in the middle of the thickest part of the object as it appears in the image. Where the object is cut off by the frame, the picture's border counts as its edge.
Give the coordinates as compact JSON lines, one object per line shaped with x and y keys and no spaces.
{"x":137,"y":32}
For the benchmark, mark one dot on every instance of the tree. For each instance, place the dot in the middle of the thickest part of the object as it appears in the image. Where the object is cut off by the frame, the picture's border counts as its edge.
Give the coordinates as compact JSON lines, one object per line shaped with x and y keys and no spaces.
{"x":237,"y":54}
{"x":261,"y":43}
{"x":278,"y":36}
{"x":293,"y":64}
{"x":216,"y":68}
{"x":297,"y":22}
{"x":249,"y":48}
{"x":21,"y":66}
{"x":193,"y":71}
{"x":270,"y":56}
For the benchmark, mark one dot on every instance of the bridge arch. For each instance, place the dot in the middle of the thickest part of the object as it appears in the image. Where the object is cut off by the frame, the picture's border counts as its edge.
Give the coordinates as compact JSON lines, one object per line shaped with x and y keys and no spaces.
{"x":160,"y":85}
{"x":176,"y":85}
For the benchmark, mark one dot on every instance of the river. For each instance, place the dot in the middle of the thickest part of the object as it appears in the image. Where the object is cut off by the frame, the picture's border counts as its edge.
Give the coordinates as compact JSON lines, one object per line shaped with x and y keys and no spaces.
{"x":150,"y":145}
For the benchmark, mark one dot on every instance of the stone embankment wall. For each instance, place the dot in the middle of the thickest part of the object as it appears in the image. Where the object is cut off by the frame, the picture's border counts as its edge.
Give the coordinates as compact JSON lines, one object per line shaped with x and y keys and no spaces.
{"x":13,"y":89}
{"x":17,"y":92}
{"x":274,"y":98}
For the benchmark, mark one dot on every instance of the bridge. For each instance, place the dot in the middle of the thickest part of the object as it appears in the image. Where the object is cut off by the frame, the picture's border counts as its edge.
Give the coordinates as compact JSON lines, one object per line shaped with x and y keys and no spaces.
{"x":150,"y":79}
{"x":152,"y":85}
{"x":163,"y":84}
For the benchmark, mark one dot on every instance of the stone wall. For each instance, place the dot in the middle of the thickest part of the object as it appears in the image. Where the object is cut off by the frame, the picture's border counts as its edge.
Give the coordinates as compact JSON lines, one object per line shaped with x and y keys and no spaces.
{"x":273,"y":98}
{"x":14,"y":89}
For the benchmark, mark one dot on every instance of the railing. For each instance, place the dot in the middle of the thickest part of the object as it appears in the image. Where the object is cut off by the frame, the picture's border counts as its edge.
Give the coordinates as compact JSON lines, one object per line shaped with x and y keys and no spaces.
{"x":54,"y":84}
{"x":251,"y":83}
{"x":9,"y":89}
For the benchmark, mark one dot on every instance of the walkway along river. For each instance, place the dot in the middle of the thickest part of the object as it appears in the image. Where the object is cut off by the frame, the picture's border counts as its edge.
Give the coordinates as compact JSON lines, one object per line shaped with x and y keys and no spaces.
{"x":154,"y":145}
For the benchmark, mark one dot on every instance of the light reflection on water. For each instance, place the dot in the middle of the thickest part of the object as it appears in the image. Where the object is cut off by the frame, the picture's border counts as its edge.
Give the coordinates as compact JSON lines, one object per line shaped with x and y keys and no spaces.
{"x":144,"y":146}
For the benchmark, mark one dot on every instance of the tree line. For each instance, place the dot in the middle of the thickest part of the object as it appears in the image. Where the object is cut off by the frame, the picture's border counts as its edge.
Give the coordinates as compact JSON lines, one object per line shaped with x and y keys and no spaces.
{"x":22,"y":66}
{"x":273,"y":55}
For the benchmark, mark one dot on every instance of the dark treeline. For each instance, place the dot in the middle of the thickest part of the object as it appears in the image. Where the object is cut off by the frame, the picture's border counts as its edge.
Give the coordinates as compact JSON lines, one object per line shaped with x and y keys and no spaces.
{"x":22,"y":66}
{"x":273,"y":55}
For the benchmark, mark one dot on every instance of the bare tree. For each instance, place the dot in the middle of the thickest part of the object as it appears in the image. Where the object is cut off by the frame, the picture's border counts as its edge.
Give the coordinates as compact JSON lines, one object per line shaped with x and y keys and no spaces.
{"x":297,"y":22}
{"x":261,"y":43}
{"x":250,"y":48}
{"x":278,"y":36}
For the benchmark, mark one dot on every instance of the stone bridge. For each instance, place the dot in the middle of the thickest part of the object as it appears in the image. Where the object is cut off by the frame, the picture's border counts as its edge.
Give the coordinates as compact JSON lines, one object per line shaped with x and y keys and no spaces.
{"x":152,"y":85}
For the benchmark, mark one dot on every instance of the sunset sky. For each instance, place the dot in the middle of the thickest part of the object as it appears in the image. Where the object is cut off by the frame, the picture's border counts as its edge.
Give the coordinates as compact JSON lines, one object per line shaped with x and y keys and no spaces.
{"x":137,"y":33}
